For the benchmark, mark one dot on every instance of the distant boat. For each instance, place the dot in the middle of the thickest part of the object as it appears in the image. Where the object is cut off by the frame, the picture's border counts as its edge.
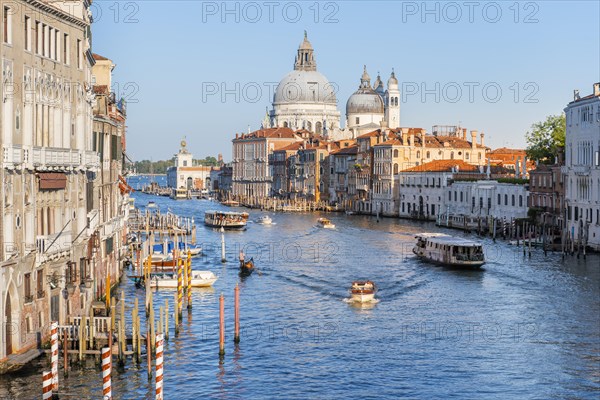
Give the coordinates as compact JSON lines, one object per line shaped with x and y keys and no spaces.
{"x":151,"y":204}
{"x":362,"y":291}
{"x":264,"y":220}
{"x":199,"y":279}
{"x":443,"y":249}
{"x":325,"y":223}
{"x":179,"y":194}
{"x":226,"y":219}
{"x":231,"y":203}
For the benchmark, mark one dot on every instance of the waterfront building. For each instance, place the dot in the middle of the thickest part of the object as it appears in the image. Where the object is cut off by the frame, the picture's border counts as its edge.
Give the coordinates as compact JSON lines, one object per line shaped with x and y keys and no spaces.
{"x":280,"y":167}
{"x":48,"y":168}
{"x":546,"y":194}
{"x":185,"y":175}
{"x":252,"y":174}
{"x":512,"y":159}
{"x":582,"y":168}
{"x":422,"y":189}
{"x":108,"y":204}
{"x":310,"y":179}
{"x":485,"y":198}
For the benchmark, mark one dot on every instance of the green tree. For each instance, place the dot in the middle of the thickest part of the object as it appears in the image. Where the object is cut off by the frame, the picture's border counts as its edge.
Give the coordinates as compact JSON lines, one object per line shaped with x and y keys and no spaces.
{"x":546,"y":138}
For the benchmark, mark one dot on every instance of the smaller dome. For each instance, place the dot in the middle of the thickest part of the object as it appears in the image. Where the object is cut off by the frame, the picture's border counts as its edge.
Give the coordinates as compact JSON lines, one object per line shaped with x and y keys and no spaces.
{"x":378,"y":85}
{"x":365,"y":100}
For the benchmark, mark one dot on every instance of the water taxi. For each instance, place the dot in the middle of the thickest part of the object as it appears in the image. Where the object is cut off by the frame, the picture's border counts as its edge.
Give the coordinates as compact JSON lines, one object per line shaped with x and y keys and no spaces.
{"x":325,"y":223}
{"x":226,"y":219}
{"x":448,"y":250}
{"x":264,"y":220}
{"x":179,"y":194}
{"x":362,"y":291}
{"x":199,"y":279}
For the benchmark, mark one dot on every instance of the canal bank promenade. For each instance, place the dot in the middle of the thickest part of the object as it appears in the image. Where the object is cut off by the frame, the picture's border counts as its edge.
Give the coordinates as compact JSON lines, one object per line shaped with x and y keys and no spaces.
{"x":520,"y":328}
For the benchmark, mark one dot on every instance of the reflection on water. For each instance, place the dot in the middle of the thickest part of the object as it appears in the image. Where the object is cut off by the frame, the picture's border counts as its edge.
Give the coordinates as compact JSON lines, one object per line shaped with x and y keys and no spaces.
{"x":518,"y":328}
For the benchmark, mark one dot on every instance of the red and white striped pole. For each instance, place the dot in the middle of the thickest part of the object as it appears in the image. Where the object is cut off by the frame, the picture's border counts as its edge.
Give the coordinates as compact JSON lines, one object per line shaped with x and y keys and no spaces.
{"x":106,"y":371}
{"x":159,"y":366}
{"x":54,"y":355}
{"x":46,"y":385}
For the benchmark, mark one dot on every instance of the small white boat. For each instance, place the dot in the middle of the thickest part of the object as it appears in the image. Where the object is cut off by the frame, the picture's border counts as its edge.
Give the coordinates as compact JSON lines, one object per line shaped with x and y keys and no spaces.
{"x":362,"y":291}
{"x":348,"y":212}
{"x":325,"y":223}
{"x":151,"y":204}
{"x":199,"y":279}
{"x":264,"y":220}
{"x":194,"y":250}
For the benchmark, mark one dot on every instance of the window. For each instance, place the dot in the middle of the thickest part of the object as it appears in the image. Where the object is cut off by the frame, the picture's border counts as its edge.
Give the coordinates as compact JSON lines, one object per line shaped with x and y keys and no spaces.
{"x":467,"y":156}
{"x":395,"y":152}
{"x":513,"y":200}
{"x":505,"y":199}
{"x":27,"y":288}
{"x":428,"y":155}
{"x":520,"y":200}
{"x":27,"y":36}
{"x":357,"y":120}
{"x":499,"y":199}
{"x":37,"y":33}
{"x":395,"y":168}
{"x":461,"y":197}
{"x":7,"y":25}
{"x":66,"y":48}
{"x":56,"y":45}
{"x":449,"y":196}
{"x":40,"y":283}
{"x":452,"y":155}
{"x":79,"y":54}
{"x":455,"y":195}
{"x":43,"y":44}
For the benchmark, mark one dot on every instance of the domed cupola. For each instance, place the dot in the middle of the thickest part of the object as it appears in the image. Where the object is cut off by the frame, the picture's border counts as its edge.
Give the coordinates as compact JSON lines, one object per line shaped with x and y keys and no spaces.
{"x":393,"y":82}
{"x":379,"y":89}
{"x":365,"y":100}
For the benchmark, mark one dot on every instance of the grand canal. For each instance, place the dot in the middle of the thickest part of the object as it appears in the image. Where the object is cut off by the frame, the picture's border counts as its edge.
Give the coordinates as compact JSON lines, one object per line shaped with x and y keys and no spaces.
{"x":518,"y":328}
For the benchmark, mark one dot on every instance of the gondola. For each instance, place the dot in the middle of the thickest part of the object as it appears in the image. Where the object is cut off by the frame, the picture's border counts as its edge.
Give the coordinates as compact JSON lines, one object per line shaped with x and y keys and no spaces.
{"x":247,"y":267}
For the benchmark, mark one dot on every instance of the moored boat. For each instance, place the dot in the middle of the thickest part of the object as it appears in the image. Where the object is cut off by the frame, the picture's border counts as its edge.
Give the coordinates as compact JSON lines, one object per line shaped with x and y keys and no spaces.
{"x":448,"y":250}
{"x":362,"y":291}
{"x":325,"y":223}
{"x":199,"y":279}
{"x":226,"y":219}
{"x":179,"y":194}
{"x":231,"y":203}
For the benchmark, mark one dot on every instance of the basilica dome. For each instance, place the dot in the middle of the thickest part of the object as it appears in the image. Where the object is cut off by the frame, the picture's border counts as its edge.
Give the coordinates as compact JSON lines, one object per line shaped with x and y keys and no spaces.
{"x":300,"y":86}
{"x":365,"y":100}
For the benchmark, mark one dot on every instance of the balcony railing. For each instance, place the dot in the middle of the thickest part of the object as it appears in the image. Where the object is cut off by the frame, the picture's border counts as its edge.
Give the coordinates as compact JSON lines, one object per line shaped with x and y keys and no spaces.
{"x":51,"y":244}
{"x":12,"y":156}
{"x":55,"y":157}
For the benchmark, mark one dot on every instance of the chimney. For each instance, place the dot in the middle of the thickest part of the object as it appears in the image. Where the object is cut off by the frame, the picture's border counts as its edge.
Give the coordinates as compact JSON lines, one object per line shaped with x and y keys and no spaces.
{"x":464,"y":133}
{"x":517,"y":170}
{"x":405,"y":136}
{"x":489,"y":168}
{"x":473,"y":139}
{"x":575,"y":94}
{"x":597,"y":89}
{"x":524,"y":169}
{"x":481,"y":135}
{"x":236,"y":135}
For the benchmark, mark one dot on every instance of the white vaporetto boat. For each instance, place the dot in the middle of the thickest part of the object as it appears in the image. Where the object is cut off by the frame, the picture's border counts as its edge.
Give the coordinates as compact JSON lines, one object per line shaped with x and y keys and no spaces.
{"x":443,"y":249}
{"x":325,"y":223}
{"x":199,"y":279}
{"x":264,"y":220}
{"x":362,"y":291}
{"x":226,"y":219}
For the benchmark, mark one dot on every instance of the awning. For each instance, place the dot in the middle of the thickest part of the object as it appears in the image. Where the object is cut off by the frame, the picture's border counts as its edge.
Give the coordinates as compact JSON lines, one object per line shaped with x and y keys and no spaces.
{"x":52,"y":180}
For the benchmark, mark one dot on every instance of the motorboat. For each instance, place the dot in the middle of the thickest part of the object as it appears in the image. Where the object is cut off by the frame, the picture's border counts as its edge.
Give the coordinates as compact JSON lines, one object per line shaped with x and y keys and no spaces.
{"x":199,"y":279}
{"x":264,"y":220}
{"x":151,"y":205}
{"x":231,"y":203}
{"x":226,"y":219}
{"x":362,"y":291}
{"x":325,"y":223}
{"x":447,"y":250}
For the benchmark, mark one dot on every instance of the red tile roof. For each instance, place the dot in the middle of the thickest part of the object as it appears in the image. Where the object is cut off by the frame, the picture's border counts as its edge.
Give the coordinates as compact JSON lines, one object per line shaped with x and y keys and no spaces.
{"x":98,"y":57}
{"x":346,"y":151}
{"x":269,"y":133}
{"x":443,"y":166}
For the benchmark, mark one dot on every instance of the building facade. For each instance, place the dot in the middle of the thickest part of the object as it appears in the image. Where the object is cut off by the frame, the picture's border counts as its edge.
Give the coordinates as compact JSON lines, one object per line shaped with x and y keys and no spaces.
{"x":48,"y":169}
{"x":582,"y":168}
{"x":185,"y":175}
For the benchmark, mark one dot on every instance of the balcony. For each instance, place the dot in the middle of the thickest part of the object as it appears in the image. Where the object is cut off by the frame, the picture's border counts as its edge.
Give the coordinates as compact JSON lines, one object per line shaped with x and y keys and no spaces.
{"x":55,"y":158}
{"x":12,"y":156}
{"x":581,"y":170}
{"x":50,"y":245}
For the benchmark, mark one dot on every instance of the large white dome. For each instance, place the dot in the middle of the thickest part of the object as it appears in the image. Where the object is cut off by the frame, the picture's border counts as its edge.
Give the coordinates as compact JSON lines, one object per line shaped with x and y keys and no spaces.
{"x":301,"y":86}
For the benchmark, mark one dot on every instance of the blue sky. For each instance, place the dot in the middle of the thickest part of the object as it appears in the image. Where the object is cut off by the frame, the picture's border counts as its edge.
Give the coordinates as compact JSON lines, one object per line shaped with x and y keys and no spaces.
{"x":495,"y":67}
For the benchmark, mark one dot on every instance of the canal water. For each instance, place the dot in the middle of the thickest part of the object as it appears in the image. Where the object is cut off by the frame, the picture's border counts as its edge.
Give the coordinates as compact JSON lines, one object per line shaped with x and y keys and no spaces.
{"x":518,"y":328}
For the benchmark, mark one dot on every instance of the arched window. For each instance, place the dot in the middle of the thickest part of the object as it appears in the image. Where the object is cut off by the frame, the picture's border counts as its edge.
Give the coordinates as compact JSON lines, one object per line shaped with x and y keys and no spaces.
{"x":318,"y":128}
{"x":513,"y":200}
{"x":395,"y":153}
{"x":428,"y":155}
{"x":520,"y":200}
{"x":418,"y":154}
{"x":452,"y":155}
{"x":479,"y":156}
{"x":285,"y":124}
{"x":467,"y":156}
{"x":505,"y":199}
{"x":395,"y":168}
{"x":499,"y":199}
{"x":309,"y":126}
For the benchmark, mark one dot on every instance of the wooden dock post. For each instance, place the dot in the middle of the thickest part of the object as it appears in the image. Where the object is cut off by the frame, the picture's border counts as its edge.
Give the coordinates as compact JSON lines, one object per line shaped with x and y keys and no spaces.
{"x":152,"y":328}
{"x":80,"y":337}
{"x":167,"y":319}
{"x":221,"y":325}
{"x":148,"y":352}
{"x":139,"y":339}
{"x":236,"y":311}
{"x":189,"y":281}
{"x":223,"y":258}
{"x":65,"y":354}
{"x":161,"y":316}
{"x":176,"y":316}
{"x":159,"y":366}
